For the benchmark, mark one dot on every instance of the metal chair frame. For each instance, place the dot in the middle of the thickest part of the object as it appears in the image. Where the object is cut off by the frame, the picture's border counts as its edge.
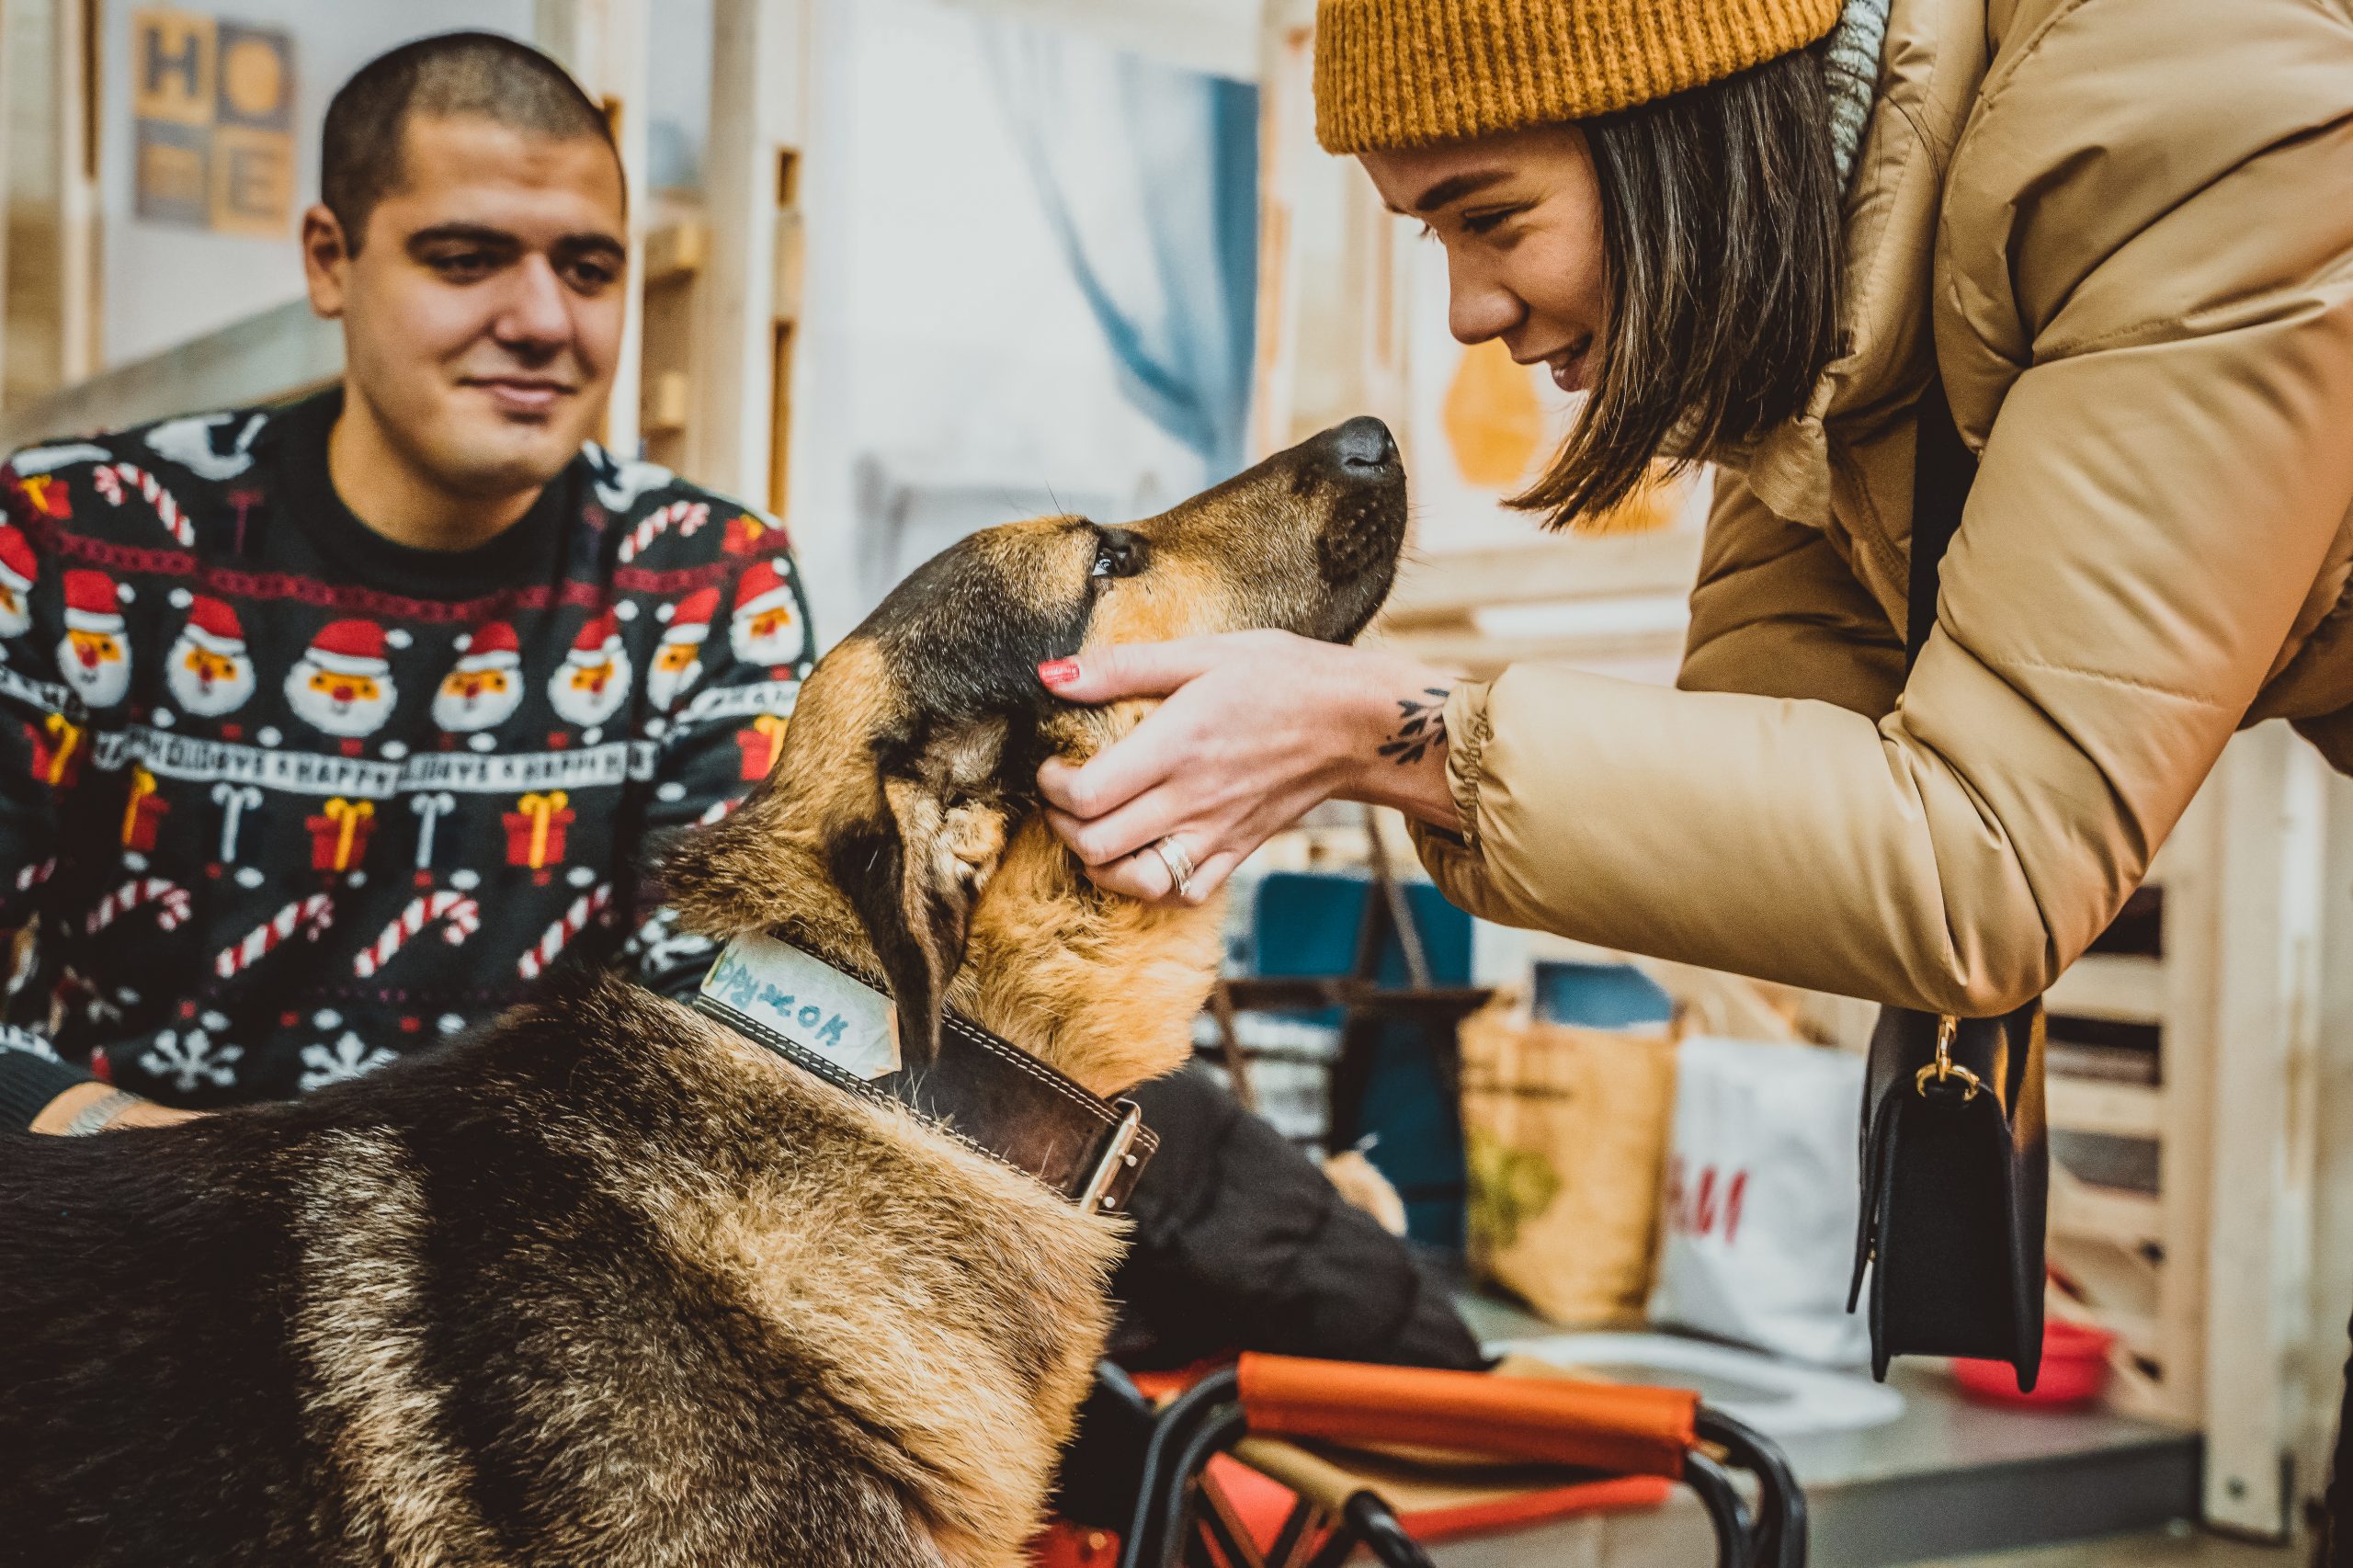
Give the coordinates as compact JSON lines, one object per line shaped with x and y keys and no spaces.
{"x":1180,"y":1515}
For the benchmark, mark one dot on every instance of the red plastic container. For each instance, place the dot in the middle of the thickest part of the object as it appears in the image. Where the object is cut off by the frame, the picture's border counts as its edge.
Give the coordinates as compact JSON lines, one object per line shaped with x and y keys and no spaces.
{"x":2074,"y":1370}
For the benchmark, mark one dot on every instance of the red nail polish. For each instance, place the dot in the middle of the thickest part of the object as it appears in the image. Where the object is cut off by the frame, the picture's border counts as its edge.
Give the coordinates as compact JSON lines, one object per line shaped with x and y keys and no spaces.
{"x":1058,"y":672}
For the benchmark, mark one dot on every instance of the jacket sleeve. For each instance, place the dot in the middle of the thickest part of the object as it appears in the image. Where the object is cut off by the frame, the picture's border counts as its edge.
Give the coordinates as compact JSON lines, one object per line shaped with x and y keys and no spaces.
{"x":1776,"y":612}
{"x":41,"y":728}
{"x":43,"y":725}
{"x":715,"y":750}
{"x":30,"y":1078}
{"x":1241,"y":1243}
{"x":2158,"y":496}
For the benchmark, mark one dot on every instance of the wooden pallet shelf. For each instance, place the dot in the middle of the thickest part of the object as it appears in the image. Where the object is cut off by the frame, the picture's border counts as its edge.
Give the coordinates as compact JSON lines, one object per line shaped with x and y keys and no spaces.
{"x":2113,"y":1110}
{"x":2080,"y":1210}
{"x":2116,"y":988}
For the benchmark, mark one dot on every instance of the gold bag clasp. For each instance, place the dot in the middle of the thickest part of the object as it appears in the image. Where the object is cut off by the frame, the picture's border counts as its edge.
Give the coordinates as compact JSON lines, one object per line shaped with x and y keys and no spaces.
{"x":1942,"y":1068}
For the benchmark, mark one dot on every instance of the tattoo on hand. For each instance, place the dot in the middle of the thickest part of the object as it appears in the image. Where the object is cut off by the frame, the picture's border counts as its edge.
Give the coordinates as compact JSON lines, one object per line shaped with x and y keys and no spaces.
{"x":1421,"y":724}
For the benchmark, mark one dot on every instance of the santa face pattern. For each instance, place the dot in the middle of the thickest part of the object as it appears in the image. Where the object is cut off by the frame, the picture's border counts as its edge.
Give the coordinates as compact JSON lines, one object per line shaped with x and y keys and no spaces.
{"x":485,"y":688}
{"x":18,"y":570}
{"x":97,"y":664}
{"x":209,"y":681}
{"x":18,"y":573}
{"x":340,"y":702}
{"x":477,"y":698}
{"x":590,"y":693}
{"x":675,"y":666}
{"x":343,"y":683}
{"x":208,"y":671}
{"x":94,"y":654}
{"x":769,"y":631}
{"x":678,"y":662}
{"x":592,"y":682}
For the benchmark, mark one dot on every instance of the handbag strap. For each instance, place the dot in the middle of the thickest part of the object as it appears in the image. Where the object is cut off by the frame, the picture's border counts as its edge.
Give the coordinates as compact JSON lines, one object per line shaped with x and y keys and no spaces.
{"x":1943,"y":468}
{"x":1942,"y":471}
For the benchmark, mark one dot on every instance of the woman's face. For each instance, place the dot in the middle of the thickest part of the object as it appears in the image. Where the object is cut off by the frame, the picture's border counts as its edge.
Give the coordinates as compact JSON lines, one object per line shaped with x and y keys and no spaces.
{"x":1520,"y":217}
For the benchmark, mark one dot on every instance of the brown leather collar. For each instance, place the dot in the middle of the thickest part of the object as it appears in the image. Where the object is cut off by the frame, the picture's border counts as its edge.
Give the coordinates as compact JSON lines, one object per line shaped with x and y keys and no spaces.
{"x":983,"y":1091}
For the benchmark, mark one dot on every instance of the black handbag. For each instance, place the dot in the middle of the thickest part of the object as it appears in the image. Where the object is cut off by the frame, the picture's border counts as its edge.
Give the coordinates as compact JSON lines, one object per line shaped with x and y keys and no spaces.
{"x":1956,"y":1154}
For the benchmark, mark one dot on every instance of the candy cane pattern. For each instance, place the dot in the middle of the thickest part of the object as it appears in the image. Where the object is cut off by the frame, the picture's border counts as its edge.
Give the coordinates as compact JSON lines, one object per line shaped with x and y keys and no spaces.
{"x":234,"y":800}
{"x":309,"y":916}
{"x":169,"y":898}
{"x":110,"y":478}
{"x":33,"y":876}
{"x":689,"y":516}
{"x":463,"y":915}
{"x":574,"y":920}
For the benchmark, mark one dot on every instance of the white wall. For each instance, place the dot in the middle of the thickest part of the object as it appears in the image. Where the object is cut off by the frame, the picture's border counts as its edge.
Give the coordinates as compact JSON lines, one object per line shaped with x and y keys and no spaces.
{"x":677,"y":79}
{"x":976,"y":355}
{"x":944,"y":337}
{"x":1216,"y":36}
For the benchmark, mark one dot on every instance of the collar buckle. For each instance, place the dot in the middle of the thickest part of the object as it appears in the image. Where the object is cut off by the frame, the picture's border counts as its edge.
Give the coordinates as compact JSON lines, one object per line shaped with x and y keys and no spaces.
{"x":1118,"y":1155}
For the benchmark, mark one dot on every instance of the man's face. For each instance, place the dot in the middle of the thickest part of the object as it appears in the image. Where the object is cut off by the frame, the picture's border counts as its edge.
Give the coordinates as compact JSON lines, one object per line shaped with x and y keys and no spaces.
{"x":483,"y":313}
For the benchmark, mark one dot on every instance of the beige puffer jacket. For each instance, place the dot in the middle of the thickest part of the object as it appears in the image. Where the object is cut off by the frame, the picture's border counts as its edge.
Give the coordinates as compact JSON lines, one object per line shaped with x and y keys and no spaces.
{"x":2130,"y":228}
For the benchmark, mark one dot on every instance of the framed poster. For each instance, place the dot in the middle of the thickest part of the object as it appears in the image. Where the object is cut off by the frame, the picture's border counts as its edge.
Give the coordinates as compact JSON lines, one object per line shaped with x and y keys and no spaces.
{"x":212,"y":104}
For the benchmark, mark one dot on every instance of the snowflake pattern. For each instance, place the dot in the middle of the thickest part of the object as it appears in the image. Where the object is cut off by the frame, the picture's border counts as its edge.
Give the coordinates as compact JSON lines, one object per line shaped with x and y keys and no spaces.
{"x":15,"y":1038}
{"x":192,"y":1060}
{"x":350,"y":1057}
{"x":659,"y":947}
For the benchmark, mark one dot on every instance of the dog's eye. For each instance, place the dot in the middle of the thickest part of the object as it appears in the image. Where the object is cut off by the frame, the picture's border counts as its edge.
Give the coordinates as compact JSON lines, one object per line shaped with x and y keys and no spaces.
{"x":1117,"y":554}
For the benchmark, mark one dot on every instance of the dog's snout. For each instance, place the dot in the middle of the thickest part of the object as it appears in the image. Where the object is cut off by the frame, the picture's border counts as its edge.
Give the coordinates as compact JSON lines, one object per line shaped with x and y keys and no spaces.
{"x":1364,"y":450}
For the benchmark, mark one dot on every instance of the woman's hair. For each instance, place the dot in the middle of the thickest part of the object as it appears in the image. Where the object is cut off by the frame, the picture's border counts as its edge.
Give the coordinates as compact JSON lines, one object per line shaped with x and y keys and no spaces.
{"x":1721,"y":247}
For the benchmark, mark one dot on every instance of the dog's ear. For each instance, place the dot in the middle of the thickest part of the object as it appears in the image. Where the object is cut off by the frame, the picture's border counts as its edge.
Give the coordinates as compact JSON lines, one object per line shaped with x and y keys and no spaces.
{"x":916,"y":865}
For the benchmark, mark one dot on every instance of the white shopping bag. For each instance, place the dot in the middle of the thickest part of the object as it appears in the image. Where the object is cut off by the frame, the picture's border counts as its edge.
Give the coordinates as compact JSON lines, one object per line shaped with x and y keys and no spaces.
{"x":1758,"y":1216}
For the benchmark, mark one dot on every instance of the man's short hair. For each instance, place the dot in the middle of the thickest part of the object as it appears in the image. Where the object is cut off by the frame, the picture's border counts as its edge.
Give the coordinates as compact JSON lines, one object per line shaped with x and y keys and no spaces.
{"x":497,"y":77}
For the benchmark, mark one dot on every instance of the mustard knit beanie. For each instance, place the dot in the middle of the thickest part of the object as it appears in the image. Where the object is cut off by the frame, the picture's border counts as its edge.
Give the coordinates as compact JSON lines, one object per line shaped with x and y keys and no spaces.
{"x":1392,"y":74}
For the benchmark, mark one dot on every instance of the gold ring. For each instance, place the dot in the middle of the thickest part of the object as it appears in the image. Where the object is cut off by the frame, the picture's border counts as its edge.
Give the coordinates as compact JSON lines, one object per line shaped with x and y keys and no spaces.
{"x":1180,"y":865}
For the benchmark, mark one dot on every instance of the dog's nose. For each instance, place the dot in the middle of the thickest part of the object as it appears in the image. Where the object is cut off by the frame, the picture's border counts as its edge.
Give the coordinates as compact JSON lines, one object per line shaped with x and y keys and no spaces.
{"x":1364,"y":448}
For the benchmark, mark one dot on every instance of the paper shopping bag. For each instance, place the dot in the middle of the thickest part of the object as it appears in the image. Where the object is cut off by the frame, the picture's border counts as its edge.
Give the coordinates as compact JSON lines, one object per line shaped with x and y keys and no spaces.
{"x":1565,"y":1134}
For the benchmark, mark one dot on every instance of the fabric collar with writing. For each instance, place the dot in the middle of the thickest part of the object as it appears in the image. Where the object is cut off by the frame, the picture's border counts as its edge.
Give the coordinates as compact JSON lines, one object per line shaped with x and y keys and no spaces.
{"x":989,"y":1094}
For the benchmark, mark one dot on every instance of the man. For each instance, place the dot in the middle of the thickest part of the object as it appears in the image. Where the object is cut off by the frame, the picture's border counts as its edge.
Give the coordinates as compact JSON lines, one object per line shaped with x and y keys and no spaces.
{"x":329,"y":730}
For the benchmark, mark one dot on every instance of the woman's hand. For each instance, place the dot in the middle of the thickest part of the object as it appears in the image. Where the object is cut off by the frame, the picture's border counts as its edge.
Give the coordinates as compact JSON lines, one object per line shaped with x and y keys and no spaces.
{"x":1259,"y":728}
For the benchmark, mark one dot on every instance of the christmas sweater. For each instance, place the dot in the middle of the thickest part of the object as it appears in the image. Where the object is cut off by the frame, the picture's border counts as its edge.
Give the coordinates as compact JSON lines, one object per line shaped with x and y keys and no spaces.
{"x":282,"y":799}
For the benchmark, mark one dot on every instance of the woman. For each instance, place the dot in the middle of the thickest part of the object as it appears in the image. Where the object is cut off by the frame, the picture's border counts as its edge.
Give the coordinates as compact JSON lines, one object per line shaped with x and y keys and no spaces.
{"x":1754,"y":231}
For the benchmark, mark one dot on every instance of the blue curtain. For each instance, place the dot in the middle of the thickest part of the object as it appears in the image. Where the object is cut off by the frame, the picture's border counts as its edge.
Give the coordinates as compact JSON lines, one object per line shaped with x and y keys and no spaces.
{"x":1149,"y":176}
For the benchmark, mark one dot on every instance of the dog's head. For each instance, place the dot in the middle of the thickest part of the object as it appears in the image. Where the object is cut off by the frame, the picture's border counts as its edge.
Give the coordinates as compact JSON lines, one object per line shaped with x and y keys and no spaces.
{"x":911,"y":756}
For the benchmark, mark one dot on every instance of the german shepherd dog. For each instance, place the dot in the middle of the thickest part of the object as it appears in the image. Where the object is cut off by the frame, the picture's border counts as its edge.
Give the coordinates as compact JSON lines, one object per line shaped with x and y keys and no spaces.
{"x":608,"y":1283}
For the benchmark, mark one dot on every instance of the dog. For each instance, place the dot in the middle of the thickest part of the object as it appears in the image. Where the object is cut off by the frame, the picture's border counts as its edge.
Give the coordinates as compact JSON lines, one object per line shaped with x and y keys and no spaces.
{"x":620,"y":1281}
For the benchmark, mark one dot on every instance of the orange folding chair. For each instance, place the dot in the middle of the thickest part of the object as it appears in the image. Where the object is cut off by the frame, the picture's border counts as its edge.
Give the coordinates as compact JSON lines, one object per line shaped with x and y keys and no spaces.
{"x":1258,"y":1408}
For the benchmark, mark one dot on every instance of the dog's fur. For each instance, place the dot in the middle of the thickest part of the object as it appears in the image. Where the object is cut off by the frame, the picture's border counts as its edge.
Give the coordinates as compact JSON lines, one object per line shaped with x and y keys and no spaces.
{"x":605,"y":1284}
